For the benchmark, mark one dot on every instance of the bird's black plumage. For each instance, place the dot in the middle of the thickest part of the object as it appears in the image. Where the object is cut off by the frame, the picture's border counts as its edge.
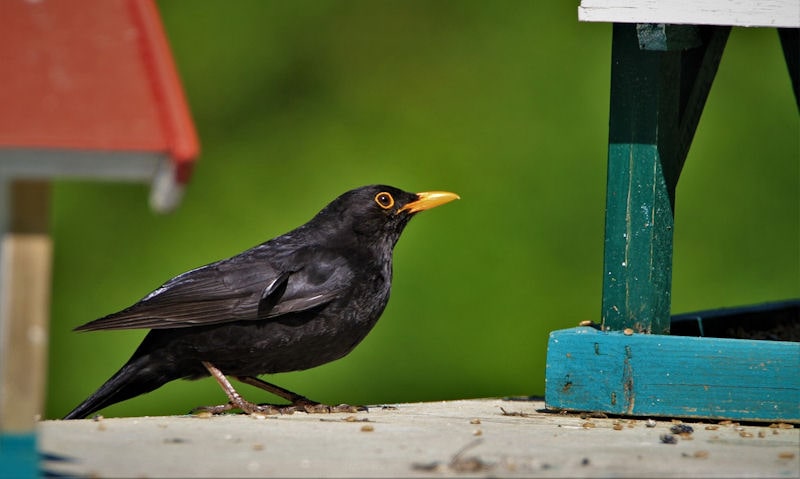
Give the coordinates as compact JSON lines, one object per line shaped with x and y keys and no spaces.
{"x":297,"y":301}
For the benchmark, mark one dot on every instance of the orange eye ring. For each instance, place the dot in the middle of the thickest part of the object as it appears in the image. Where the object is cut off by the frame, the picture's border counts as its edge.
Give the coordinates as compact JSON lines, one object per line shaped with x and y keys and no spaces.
{"x":384,"y":200}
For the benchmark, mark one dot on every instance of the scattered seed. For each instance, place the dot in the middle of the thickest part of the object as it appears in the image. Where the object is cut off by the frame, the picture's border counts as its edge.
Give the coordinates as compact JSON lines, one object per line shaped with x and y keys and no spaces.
{"x":429,"y":466}
{"x":258,"y":447}
{"x":203,"y":415}
{"x":367,"y":428}
{"x":651,"y":423}
{"x":627,"y":331}
{"x":746,"y":434}
{"x":668,"y":439}
{"x":712,"y":427}
{"x":617,"y":427}
{"x":516,"y":413}
{"x":475,"y":421}
{"x":785,"y":455}
{"x":346,"y":419}
{"x":588,"y":425}
{"x":726,"y":422}
{"x":477,"y":432}
{"x":469,"y":464}
{"x":681,"y":429}
{"x":782,"y":425}
{"x":701,"y":454}
{"x":762,"y":434}
{"x":175,"y":440}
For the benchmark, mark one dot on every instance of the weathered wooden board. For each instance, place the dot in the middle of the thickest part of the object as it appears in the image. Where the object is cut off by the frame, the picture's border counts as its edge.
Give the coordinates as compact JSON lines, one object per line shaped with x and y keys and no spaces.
{"x":476,"y":438}
{"x":656,"y":375}
{"x":752,"y":13}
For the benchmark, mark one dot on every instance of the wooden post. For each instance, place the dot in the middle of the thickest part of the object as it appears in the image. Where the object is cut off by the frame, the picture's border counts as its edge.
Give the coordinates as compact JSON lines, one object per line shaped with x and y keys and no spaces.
{"x":660,"y":78}
{"x":25,"y":271}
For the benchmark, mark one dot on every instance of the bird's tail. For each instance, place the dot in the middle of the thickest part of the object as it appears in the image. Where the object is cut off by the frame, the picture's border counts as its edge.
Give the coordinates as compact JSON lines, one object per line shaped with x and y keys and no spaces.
{"x":136,"y":377}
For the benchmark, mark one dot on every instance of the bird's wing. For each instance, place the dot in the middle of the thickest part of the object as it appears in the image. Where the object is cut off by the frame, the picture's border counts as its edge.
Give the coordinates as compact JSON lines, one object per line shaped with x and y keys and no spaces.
{"x":244,"y":287}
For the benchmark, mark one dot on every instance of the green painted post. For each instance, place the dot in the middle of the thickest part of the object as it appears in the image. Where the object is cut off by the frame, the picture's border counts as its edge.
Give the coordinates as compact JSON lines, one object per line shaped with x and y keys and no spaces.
{"x":660,"y":77}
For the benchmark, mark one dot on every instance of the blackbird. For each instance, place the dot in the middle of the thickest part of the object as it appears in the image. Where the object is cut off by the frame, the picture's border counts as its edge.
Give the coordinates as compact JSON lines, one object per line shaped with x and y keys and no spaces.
{"x":297,"y":301}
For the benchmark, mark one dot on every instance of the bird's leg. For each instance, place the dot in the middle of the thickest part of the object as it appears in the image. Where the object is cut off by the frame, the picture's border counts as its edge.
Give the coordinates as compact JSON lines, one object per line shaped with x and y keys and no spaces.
{"x":236,"y":401}
{"x":273,"y":389}
{"x":298,"y":402}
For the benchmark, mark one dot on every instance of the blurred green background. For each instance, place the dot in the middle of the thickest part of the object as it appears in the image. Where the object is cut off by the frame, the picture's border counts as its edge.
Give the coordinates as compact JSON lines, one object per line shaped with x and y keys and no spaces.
{"x":505,"y":103}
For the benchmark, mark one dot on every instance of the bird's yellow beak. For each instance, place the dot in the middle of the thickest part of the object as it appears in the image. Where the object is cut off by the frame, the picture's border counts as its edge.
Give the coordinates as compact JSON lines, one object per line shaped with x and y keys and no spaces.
{"x":429,"y":199}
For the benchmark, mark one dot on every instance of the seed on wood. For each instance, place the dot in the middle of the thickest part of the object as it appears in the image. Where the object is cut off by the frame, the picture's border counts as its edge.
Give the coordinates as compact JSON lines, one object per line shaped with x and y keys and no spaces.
{"x":668,"y":439}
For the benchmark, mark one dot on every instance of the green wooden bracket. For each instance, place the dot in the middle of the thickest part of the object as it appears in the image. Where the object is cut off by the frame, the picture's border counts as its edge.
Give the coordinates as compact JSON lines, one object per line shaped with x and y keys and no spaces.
{"x":790,"y":41}
{"x":673,"y":376}
{"x":660,"y":78}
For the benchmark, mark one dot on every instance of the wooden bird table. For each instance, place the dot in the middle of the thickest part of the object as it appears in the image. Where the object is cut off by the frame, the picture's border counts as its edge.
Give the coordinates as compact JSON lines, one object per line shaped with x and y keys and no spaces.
{"x":89,"y":91}
{"x":664,"y":58}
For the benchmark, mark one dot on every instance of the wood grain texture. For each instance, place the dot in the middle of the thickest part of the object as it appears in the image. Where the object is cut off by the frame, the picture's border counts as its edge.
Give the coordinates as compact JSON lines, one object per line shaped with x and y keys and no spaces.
{"x":654,"y":375}
{"x":743,"y":13}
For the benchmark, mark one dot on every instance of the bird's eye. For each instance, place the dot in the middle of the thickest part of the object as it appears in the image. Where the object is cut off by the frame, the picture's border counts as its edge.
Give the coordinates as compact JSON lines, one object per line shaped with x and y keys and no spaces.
{"x":384,"y":200}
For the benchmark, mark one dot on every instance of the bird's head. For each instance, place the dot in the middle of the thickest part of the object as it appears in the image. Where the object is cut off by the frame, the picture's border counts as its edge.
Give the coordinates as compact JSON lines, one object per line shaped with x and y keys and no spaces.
{"x":379,"y":212}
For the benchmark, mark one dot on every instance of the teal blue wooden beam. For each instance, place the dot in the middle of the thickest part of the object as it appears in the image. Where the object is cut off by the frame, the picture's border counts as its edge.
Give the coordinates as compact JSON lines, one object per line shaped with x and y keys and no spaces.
{"x":18,"y":456}
{"x":673,"y":376}
{"x":660,"y":78}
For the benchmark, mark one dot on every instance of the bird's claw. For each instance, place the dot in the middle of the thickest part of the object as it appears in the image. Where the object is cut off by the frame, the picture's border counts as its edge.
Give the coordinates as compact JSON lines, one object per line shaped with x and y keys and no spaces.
{"x":305,"y":405}
{"x":244,"y":406}
{"x":317,"y":408}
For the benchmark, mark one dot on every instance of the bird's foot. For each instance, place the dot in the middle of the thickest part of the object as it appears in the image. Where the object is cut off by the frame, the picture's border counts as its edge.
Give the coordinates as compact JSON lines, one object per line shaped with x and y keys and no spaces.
{"x":313,"y":407}
{"x":298,"y":402}
{"x":243,"y":405}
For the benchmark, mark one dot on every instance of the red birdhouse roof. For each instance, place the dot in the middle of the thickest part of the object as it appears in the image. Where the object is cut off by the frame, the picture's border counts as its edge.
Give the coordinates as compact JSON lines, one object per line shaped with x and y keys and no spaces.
{"x":90,"y":89}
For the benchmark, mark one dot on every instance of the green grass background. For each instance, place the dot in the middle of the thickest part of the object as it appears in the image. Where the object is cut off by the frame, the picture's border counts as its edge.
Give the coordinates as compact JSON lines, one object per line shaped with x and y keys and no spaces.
{"x":503,"y":102}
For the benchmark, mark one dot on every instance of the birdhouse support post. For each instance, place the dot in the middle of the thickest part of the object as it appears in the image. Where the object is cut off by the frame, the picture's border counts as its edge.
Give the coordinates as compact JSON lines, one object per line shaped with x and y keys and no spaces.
{"x":26,"y":257}
{"x":25,"y":273}
{"x":660,"y":78}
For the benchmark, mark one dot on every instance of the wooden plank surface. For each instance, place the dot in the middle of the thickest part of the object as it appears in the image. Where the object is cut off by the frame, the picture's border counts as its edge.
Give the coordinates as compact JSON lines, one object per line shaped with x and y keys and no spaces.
{"x":743,"y":13}
{"x":654,"y":375}
{"x":466,"y":438}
